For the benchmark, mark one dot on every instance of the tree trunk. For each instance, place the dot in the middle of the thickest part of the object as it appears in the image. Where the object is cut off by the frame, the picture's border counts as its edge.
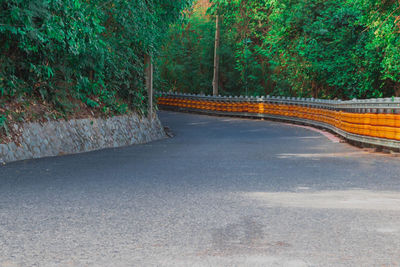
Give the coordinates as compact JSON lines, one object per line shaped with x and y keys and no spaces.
{"x":397,"y":89}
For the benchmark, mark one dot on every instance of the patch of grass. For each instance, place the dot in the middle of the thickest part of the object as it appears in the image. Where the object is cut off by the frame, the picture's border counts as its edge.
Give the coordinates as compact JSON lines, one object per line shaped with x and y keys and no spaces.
{"x":3,"y":125}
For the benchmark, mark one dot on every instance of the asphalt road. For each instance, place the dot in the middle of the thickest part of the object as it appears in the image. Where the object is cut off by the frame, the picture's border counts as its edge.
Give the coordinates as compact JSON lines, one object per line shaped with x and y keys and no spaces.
{"x":222,"y":192}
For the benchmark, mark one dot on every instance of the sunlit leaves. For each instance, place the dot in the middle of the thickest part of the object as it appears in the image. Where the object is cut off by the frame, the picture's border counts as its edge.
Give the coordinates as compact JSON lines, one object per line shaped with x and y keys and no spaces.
{"x":95,"y":47}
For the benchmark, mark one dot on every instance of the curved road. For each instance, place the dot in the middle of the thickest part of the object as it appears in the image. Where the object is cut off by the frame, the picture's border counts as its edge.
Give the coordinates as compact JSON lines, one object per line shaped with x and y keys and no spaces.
{"x":222,"y":192}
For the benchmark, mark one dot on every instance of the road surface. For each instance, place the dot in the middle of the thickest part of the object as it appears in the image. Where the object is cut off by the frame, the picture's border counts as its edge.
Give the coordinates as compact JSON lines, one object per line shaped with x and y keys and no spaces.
{"x":222,"y":192}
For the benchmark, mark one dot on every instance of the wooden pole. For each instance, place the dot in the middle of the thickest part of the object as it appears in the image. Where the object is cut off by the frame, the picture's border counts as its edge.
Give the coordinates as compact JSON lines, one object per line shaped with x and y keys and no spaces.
{"x":216,"y":57}
{"x":149,"y":83}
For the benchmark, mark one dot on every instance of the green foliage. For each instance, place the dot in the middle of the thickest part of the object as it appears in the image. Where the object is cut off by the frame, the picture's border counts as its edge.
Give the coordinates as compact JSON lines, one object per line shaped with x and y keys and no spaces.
{"x":186,"y":62}
{"x":187,"y":57}
{"x":91,"y":50}
{"x":3,"y":121}
{"x":320,"y":48}
{"x":3,"y":125}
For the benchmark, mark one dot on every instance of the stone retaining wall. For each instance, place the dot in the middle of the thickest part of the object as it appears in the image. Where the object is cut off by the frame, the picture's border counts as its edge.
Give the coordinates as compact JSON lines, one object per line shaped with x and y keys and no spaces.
{"x":82,"y":135}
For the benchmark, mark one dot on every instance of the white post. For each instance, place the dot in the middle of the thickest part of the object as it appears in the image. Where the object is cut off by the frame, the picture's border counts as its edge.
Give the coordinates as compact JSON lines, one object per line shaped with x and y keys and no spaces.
{"x":216,"y":57}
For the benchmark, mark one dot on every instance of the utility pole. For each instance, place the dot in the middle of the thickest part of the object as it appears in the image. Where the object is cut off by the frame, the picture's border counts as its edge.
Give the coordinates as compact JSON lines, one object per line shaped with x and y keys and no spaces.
{"x":216,"y":56}
{"x":148,"y":64}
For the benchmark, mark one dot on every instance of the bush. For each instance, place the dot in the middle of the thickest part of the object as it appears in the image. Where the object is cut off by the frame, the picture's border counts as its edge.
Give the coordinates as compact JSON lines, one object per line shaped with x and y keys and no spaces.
{"x":90,"y":50}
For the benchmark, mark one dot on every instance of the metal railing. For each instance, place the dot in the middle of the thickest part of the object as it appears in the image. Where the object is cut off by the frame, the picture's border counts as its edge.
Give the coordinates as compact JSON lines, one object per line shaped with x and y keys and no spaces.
{"x":371,"y":121}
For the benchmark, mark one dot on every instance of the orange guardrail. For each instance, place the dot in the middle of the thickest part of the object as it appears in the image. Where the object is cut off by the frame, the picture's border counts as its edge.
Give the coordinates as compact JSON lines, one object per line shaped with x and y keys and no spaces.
{"x":379,"y":119}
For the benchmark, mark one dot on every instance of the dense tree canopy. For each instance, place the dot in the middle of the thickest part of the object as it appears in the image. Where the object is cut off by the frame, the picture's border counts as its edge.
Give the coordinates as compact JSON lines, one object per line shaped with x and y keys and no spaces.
{"x":320,"y":48}
{"x":63,"y":51}
{"x":87,"y":50}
